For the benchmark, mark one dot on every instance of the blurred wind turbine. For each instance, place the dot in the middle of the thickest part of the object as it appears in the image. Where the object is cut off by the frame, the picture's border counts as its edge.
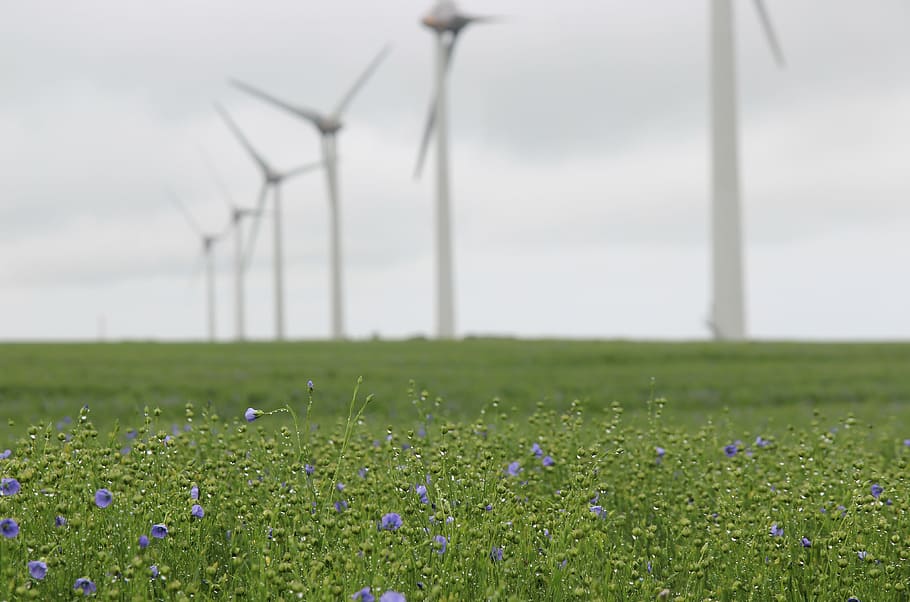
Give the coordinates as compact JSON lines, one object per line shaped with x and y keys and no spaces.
{"x":447,"y":22}
{"x":208,"y":242}
{"x":237,"y":216}
{"x":271,"y":178}
{"x":328,"y":126}
{"x":727,"y":320}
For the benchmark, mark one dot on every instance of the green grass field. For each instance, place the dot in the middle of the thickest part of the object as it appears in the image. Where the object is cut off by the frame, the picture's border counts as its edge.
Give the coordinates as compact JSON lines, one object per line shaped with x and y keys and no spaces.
{"x":509,"y":470}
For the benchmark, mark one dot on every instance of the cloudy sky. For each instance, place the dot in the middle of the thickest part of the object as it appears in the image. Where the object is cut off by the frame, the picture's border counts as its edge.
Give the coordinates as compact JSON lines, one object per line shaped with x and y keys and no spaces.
{"x":579,"y":163}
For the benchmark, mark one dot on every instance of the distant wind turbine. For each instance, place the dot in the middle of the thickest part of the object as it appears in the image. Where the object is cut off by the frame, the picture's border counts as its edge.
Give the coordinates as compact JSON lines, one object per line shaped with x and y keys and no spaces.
{"x":447,"y":22}
{"x":208,"y":243}
{"x":271,"y":178}
{"x":238,"y":214}
{"x":328,"y":126}
{"x":727,"y":320}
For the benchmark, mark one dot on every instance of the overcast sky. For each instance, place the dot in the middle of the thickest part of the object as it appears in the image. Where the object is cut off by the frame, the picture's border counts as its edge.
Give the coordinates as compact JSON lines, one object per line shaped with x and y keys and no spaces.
{"x":579,"y":154}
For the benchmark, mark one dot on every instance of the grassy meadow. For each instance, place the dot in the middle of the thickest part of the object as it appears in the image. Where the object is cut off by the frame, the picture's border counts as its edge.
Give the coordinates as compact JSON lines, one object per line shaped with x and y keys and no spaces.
{"x":482,"y":469}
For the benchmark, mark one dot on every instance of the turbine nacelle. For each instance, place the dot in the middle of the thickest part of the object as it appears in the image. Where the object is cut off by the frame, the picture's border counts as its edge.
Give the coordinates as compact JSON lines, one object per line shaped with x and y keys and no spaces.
{"x":445,"y":17}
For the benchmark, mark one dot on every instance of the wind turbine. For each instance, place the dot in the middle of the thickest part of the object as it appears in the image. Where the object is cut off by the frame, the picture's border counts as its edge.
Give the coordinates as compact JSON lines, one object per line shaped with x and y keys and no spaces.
{"x":727,"y":320}
{"x":208,"y":242}
{"x":328,"y":126}
{"x":238,"y":214}
{"x":271,"y":178}
{"x":447,"y":22}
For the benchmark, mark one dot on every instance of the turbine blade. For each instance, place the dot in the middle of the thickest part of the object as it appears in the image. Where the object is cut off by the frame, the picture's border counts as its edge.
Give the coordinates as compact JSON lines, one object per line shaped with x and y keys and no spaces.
{"x":431,"y":114}
{"x":260,"y":205}
{"x":307,"y":114}
{"x":194,"y":225}
{"x":425,"y":140}
{"x":216,"y":177}
{"x":346,"y":100}
{"x":239,"y":135}
{"x":302,"y":169}
{"x":769,"y":31}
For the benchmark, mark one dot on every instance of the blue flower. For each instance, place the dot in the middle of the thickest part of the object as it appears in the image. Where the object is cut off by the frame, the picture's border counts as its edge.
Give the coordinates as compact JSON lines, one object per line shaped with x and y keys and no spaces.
{"x":391,"y":596}
{"x":422,"y":493}
{"x":777,"y":531}
{"x":876,"y":490}
{"x":496,"y":554}
{"x":760,"y":442}
{"x":9,"y":528}
{"x":341,"y":506}
{"x":59,"y":521}
{"x":309,"y":469}
{"x":9,"y":487}
{"x":548,"y":461}
{"x":861,"y":554}
{"x":599,"y":511}
{"x":310,"y":386}
{"x":362,"y":472}
{"x":660,"y":451}
{"x":513,"y":469}
{"x":363,"y":595}
{"x":535,"y":449}
{"x":194,"y":492}
{"x":37,"y":569}
{"x":159,"y":531}
{"x":86,"y":585}
{"x":103,"y":498}
{"x":197,"y":511}
{"x":390,"y":522}
{"x":807,"y":543}
{"x":252,"y":414}
{"x":852,"y":599}
{"x":143,"y":542}
{"x":6,"y":454}
{"x":443,"y":544}
{"x":730,"y":450}
{"x":154,"y":571}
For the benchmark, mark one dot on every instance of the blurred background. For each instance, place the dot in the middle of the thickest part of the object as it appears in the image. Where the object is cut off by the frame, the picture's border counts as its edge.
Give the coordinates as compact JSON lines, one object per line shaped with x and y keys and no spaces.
{"x":579,"y":142}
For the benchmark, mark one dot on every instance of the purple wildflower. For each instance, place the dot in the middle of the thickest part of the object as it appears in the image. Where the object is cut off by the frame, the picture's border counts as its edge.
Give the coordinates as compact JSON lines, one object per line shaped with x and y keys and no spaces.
{"x":852,"y":599}
{"x":37,"y":569}
{"x":535,"y":449}
{"x":6,"y":454}
{"x":339,"y":486}
{"x":59,"y":521}
{"x":362,"y":472}
{"x":86,"y":585}
{"x":363,"y":595}
{"x":599,"y":511}
{"x":309,"y":469}
{"x":422,"y":493}
{"x":103,"y":498}
{"x":906,"y":444}
{"x":443,"y":543}
{"x":391,"y":596}
{"x":197,"y":511}
{"x":876,"y":490}
{"x":309,"y":385}
{"x":341,"y":506}
{"x":159,"y":531}
{"x":194,"y":493}
{"x":143,"y":542}
{"x":660,"y":451}
{"x":548,"y":461}
{"x":390,"y":521}
{"x":9,"y":528}
{"x":496,"y":554}
{"x":513,"y":469}
{"x":252,"y":414}
{"x":9,"y":487}
{"x":807,"y":543}
{"x":777,"y":531}
{"x":488,"y":507}
{"x":730,"y":450}
{"x":762,"y":442}
{"x":154,"y":571}
{"x":861,"y":554}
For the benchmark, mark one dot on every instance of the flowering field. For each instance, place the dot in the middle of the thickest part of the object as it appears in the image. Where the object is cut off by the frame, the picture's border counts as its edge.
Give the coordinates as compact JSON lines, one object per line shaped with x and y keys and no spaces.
{"x":555,"y":500}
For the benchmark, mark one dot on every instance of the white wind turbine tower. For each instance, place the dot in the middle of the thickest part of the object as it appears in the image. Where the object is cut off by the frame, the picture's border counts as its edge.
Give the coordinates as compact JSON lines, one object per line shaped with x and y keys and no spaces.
{"x":208,"y":243}
{"x":238,"y":214}
{"x":328,"y":126}
{"x":727,"y":319}
{"x":447,"y":22}
{"x":271,"y":178}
